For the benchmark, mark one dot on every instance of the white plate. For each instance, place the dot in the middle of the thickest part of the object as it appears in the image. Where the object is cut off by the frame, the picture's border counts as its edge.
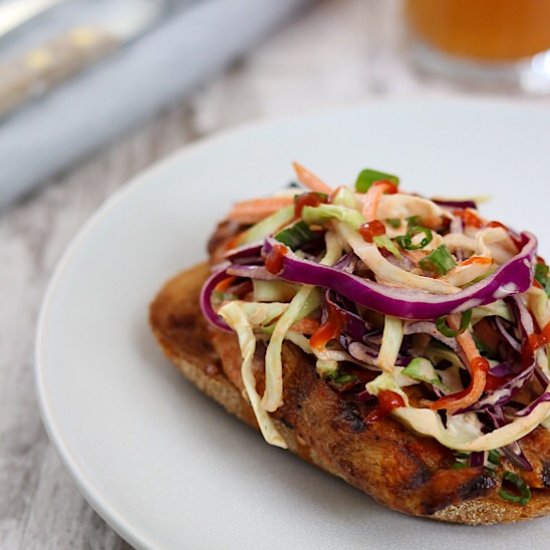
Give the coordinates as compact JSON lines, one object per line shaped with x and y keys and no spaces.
{"x":162,"y":464}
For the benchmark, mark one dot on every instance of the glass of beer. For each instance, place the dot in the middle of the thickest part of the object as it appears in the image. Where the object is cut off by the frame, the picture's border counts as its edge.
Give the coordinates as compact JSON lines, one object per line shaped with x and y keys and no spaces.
{"x":491,"y":43}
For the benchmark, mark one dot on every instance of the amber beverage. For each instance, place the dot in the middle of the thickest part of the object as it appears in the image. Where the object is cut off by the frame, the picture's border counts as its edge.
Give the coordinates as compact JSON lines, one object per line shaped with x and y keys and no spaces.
{"x":506,"y":42}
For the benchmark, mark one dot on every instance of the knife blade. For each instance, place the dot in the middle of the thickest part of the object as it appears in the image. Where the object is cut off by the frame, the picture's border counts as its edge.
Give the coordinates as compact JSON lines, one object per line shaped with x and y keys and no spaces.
{"x":41,"y":68}
{"x":15,"y":13}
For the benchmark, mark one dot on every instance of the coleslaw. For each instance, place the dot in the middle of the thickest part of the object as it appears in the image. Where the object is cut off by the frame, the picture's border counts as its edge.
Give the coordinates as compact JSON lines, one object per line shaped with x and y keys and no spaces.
{"x":443,"y":313}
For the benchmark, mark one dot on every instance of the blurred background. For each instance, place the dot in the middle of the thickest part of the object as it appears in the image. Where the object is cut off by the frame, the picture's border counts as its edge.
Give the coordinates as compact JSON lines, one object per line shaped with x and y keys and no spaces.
{"x":94,"y":91}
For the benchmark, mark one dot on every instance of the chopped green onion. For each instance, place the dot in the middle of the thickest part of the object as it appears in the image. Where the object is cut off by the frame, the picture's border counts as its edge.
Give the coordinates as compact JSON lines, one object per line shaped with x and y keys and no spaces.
{"x":440,"y":261}
{"x":327,"y":368}
{"x":394,"y":222}
{"x":524,"y":492}
{"x":324,"y":368}
{"x":413,"y":220}
{"x":295,"y":235}
{"x":405,"y":241}
{"x":383,"y":241}
{"x":342,"y":379}
{"x":494,"y":457}
{"x":368,"y":176}
{"x":459,"y":465}
{"x":541,"y":276}
{"x":446,"y":330}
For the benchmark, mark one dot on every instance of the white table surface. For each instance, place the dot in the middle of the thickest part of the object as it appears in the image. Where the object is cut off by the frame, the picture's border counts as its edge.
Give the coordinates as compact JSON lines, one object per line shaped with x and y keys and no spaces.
{"x":342,"y":52}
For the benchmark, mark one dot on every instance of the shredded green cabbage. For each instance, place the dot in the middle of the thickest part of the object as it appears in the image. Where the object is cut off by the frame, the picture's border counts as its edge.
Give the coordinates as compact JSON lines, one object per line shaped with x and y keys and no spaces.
{"x":320,"y":215}
{"x":463,"y":434}
{"x":236,"y":317}
{"x":273,"y":291}
{"x":268,"y":225}
{"x":391,"y":342}
{"x":273,"y":396}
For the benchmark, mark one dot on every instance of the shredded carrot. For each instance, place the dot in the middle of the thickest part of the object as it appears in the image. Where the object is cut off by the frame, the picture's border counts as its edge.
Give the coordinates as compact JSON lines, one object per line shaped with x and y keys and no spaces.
{"x":307,"y":325}
{"x":222,"y":286}
{"x":255,"y":210}
{"x":478,"y":372}
{"x":235,"y":241}
{"x":310,"y":180}
{"x":373,"y":195}
{"x":481,"y":260}
{"x":431,"y":222}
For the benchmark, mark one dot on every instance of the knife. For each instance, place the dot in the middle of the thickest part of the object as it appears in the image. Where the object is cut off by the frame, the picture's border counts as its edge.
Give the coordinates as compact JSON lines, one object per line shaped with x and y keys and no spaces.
{"x":15,"y":13}
{"x":37,"y":70}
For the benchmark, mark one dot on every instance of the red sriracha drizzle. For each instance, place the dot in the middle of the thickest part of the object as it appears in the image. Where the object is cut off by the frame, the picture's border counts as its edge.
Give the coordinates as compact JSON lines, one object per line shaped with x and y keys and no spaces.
{"x":387,"y":401}
{"x":329,"y":330}
{"x":507,"y":229}
{"x":494,"y":382}
{"x":275,"y":258}
{"x":468,"y":217}
{"x":534,"y":342}
{"x":372,"y":229}
{"x":308,"y":199}
{"x":389,"y":187}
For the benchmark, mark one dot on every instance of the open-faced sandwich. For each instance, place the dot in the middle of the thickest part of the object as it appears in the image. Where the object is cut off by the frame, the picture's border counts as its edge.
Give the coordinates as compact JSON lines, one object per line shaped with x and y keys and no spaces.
{"x":398,"y":342}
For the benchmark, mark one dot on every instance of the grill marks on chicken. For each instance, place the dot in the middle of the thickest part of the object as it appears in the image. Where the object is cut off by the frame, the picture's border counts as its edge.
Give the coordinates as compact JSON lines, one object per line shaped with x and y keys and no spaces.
{"x":402,"y":470}
{"x":395,"y":466}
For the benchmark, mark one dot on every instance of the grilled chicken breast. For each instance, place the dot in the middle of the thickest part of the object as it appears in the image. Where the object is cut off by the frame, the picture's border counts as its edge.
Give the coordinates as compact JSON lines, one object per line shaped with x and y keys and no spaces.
{"x":329,"y":428}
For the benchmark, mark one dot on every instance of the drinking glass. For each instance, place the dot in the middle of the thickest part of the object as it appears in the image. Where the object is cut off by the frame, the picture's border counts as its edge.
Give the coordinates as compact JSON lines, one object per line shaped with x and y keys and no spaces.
{"x":486,"y":43}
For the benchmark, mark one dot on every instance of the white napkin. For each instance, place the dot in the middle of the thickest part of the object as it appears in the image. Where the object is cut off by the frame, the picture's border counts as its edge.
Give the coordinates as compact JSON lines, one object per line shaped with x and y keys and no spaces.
{"x":133,"y":84}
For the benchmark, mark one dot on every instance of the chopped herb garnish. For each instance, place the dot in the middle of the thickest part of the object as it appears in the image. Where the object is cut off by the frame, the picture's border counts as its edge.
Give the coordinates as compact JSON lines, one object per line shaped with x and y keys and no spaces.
{"x":342,"y":379}
{"x":541,"y":276}
{"x":446,"y":330}
{"x":494,"y":457}
{"x":368,"y":176}
{"x":295,"y":235}
{"x":413,"y":220}
{"x":394,"y":222}
{"x":440,"y":260}
{"x":459,"y":465}
{"x":524,"y":495}
{"x":405,"y":241}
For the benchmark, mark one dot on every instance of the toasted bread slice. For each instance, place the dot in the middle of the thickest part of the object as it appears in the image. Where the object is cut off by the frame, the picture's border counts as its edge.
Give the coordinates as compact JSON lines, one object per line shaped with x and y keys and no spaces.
{"x":186,"y":340}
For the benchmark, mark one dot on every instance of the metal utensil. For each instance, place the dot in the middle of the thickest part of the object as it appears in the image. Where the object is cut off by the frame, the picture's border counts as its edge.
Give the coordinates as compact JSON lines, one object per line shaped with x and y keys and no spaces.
{"x":41,"y":68}
{"x":15,"y":13}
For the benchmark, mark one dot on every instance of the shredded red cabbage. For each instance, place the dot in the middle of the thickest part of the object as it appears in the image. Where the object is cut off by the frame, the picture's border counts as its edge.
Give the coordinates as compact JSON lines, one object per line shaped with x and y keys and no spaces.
{"x":206,"y":297}
{"x":513,"y":277}
{"x":449,"y":203}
